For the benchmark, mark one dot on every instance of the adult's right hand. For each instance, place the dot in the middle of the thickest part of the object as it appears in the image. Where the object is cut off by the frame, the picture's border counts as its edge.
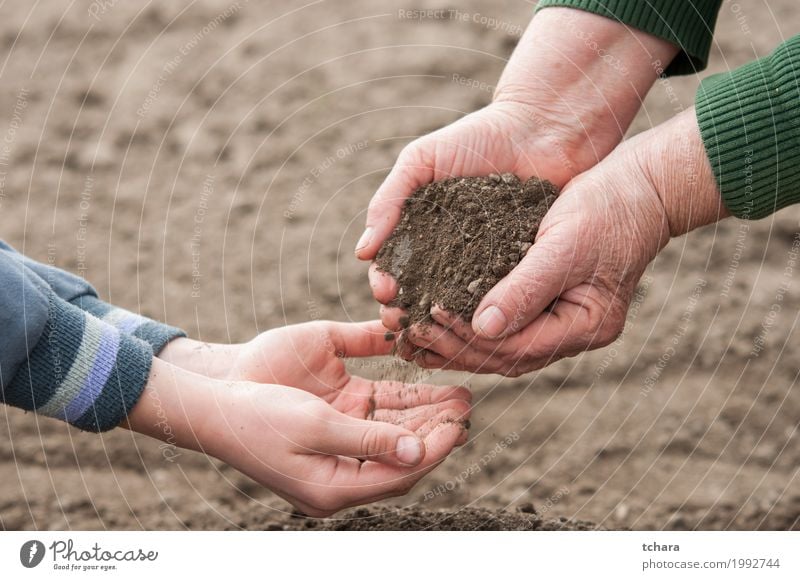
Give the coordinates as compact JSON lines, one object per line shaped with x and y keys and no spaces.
{"x":503,"y":137}
{"x":564,"y":101}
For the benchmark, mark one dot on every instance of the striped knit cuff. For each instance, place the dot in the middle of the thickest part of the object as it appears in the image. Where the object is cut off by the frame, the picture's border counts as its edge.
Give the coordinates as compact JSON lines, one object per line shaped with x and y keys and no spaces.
{"x":82,"y":371}
{"x":750,"y":123}
{"x":690,"y":25}
{"x":150,"y":331}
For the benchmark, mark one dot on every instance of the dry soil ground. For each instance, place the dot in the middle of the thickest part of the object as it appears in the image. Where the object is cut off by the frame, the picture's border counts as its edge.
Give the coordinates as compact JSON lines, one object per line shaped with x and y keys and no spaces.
{"x":209,"y":164}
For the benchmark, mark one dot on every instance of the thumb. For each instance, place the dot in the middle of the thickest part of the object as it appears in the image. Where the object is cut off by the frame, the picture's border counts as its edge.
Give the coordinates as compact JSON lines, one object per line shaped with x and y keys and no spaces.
{"x":374,"y":440}
{"x":552,"y":265}
{"x":409,"y":172}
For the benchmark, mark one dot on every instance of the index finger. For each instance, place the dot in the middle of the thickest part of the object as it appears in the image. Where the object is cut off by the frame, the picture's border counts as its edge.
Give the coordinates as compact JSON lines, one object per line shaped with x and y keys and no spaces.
{"x":361,"y":339}
{"x":384,"y":286}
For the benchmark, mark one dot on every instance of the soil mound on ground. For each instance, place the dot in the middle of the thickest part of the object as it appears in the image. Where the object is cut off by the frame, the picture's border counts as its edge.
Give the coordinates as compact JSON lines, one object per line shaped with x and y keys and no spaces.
{"x":414,"y":519}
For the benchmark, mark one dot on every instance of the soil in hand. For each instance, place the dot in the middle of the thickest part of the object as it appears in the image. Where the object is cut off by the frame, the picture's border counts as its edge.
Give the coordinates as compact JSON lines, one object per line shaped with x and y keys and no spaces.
{"x":458,"y":237}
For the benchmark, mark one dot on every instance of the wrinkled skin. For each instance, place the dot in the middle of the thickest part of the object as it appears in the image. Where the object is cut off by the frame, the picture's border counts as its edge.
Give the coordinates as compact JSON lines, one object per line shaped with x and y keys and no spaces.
{"x":572,"y":290}
{"x":503,"y":137}
{"x":559,"y":109}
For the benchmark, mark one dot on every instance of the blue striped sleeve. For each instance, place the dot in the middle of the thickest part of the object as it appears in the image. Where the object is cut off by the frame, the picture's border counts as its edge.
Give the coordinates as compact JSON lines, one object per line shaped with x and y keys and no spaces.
{"x":79,"y":292}
{"x":65,"y":284}
{"x":156,"y":334}
{"x":82,"y":370}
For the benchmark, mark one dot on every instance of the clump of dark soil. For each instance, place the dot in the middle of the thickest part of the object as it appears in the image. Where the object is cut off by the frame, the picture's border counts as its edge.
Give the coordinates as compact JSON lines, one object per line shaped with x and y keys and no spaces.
{"x":415,"y":519}
{"x":458,"y":237}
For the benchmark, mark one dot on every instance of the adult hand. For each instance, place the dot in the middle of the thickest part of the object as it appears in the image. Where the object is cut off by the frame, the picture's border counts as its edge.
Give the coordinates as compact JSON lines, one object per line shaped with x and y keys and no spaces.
{"x":504,"y":137}
{"x":572,"y":290}
{"x":566,"y":98}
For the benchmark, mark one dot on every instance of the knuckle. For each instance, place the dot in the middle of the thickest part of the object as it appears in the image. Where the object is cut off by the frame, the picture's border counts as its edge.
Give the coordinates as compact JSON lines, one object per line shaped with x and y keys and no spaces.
{"x":409,"y":154}
{"x":462,"y":408}
{"x":374,"y":205}
{"x":325,"y":333}
{"x":465,"y":392}
{"x":371,"y":442}
{"x":610,"y":326}
{"x":522,"y":274}
{"x":381,"y":204}
{"x":515,"y":295}
{"x":415,"y":155}
{"x":514,"y":300}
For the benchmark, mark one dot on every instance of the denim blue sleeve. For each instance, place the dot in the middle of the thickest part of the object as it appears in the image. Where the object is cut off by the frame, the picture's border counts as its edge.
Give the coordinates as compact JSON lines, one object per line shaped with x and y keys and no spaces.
{"x":66,"y":286}
{"x":23,"y":314}
{"x":60,"y":361}
{"x":80,"y":293}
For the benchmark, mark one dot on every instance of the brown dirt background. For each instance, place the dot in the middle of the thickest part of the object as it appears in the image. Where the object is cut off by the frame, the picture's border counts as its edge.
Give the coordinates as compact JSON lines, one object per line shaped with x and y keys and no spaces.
{"x":259,"y":102}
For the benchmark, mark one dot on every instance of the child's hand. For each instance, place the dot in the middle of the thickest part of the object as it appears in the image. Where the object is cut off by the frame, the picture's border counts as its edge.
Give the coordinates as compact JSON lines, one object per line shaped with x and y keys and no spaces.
{"x":309,"y":357}
{"x":284,"y":410}
{"x":311,"y":454}
{"x":319,"y":459}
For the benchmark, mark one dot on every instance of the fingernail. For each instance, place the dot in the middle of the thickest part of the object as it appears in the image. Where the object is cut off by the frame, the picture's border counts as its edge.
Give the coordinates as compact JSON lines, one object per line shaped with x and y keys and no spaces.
{"x":492,"y":322}
{"x":408,"y":450}
{"x":364,"y":240}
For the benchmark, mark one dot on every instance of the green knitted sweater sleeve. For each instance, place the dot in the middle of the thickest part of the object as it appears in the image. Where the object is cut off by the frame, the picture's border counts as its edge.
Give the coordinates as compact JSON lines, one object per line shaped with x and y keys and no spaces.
{"x":688,"y":24}
{"x":749,"y":119}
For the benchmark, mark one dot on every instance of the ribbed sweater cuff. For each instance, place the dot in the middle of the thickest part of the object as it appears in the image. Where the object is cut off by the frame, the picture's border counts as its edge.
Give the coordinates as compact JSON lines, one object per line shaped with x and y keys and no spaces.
{"x":154,"y":333}
{"x":689,"y":24}
{"x":82,"y":371}
{"x":750,"y":123}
